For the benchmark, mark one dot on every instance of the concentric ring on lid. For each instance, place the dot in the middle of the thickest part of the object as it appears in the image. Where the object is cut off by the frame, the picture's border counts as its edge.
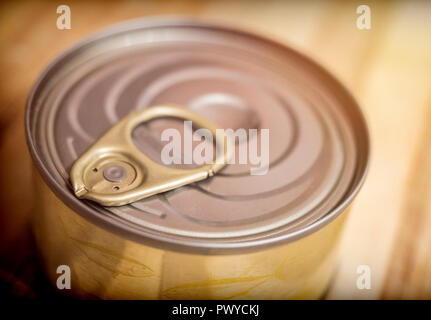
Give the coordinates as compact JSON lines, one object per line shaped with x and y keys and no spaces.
{"x":318,"y":148}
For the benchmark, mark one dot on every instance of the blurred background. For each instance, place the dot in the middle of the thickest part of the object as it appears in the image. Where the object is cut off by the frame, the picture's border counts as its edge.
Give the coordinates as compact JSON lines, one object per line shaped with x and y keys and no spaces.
{"x":387,"y":68}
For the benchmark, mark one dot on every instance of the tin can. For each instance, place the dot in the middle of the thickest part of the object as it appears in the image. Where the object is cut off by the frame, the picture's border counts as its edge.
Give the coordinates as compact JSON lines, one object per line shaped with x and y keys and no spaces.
{"x":232,"y":236}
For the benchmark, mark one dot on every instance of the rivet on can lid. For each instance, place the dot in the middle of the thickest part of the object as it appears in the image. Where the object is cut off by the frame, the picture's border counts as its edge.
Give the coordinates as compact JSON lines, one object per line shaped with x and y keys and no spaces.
{"x":114,"y":173}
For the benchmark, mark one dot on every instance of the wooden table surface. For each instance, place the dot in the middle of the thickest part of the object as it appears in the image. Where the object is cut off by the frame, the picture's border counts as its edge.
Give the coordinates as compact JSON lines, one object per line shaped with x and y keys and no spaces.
{"x":387,"y":68}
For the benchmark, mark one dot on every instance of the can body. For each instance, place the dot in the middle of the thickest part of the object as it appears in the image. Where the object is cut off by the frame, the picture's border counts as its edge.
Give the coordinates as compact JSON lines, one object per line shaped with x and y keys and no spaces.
{"x":110,"y":267}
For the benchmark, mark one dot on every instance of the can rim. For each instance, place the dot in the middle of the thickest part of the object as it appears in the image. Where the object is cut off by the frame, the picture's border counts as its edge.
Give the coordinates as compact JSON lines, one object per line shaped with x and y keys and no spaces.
{"x":157,"y":240}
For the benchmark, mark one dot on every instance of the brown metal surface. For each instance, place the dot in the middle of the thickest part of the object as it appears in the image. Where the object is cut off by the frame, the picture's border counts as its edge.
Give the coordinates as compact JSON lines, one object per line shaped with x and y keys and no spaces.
{"x":318,"y":139}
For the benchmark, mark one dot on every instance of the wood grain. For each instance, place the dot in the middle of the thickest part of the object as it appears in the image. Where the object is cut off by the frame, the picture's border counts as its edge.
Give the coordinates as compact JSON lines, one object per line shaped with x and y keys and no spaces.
{"x":387,"y":68}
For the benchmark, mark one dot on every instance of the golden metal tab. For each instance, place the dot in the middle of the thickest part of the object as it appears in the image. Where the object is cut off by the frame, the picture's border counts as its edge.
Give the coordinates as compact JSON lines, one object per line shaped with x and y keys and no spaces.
{"x":114,"y":172}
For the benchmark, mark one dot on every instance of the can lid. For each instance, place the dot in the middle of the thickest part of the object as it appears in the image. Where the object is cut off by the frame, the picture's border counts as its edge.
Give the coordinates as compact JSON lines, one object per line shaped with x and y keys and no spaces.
{"x":318,"y":141}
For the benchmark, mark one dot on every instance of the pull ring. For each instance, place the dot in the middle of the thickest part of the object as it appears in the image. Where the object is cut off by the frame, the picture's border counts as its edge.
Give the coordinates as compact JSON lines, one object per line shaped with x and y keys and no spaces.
{"x":114,"y":172}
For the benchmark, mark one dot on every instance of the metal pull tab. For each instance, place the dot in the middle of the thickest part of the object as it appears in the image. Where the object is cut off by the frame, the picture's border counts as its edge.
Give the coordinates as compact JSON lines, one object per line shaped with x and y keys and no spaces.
{"x":114,"y":172}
